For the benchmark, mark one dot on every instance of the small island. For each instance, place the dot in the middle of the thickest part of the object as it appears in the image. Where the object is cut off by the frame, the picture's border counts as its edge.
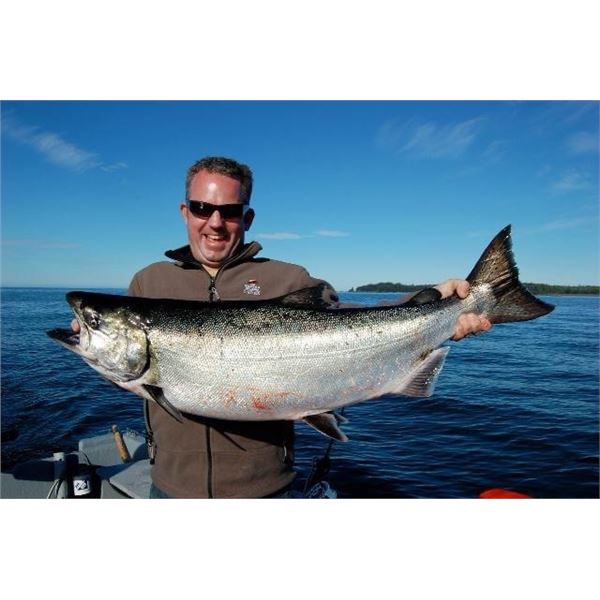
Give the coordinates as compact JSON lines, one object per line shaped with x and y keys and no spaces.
{"x":539,"y":289}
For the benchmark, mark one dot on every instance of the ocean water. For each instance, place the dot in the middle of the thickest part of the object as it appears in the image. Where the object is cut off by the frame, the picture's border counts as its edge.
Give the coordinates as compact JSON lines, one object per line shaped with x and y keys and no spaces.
{"x":516,"y":408}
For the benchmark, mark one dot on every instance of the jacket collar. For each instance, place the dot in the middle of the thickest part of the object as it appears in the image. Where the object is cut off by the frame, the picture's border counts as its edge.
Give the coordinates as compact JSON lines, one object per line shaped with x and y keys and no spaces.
{"x":184,"y":255}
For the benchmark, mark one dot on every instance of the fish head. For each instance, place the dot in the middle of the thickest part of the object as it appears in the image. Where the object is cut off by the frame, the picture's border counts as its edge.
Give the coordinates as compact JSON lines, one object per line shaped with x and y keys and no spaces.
{"x":112,"y":338}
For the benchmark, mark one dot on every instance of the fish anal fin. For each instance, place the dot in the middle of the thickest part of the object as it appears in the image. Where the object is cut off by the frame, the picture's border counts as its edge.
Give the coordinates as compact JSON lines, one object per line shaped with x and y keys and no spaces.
{"x":421,"y":382}
{"x":340,"y":418}
{"x":327,"y":424}
{"x":157,"y":394}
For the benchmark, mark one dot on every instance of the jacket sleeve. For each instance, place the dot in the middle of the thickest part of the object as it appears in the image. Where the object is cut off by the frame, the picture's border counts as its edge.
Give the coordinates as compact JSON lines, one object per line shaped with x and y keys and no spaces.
{"x":135,"y":289}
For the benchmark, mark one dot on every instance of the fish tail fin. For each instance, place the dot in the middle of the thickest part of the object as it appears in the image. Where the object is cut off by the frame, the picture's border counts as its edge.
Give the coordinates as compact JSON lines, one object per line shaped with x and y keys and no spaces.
{"x":497,"y":268}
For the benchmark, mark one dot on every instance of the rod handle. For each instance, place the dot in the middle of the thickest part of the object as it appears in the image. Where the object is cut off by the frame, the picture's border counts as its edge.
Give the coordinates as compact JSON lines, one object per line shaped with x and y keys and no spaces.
{"x":121,"y":447}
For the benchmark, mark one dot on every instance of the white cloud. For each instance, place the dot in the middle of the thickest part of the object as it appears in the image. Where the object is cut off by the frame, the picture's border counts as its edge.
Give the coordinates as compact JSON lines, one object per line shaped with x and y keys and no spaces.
{"x":582,"y":143}
{"x":332,"y":233}
{"x":576,"y":110}
{"x":550,"y":226}
{"x":283,"y":235}
{"x":479,"y":234}
{"x":287,"y":235}
{"x":561,"y":114}
{"x":54,"y":147}
{"x":39,"y":244}
{"x":114,"y":167}
{"x":429,"y":140}
{"x":543,"y":171}
{"x":495,"y":152}
{"x":560,"y":224}
{"x":571,"y":181}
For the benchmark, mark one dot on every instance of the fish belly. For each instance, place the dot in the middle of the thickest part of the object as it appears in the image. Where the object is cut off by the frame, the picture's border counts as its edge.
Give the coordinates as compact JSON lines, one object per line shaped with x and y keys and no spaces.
{"x":253,"y":377}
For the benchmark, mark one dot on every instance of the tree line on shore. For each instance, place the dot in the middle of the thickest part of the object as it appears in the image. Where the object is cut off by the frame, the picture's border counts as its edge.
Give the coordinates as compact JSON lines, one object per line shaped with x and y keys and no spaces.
{"x":534,"y":288}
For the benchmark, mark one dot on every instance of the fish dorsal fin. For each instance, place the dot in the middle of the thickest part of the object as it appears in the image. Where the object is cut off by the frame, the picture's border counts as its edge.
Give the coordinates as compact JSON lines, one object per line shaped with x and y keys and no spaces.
{"x":311,"y":297}
{"x":327,"y":424}
{"x":157,"y":394}
{"x":422,"y":381}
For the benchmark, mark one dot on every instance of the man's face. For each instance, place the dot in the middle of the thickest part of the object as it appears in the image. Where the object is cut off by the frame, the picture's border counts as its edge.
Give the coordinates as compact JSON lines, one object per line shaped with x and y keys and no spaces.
{"x":213,"y":240}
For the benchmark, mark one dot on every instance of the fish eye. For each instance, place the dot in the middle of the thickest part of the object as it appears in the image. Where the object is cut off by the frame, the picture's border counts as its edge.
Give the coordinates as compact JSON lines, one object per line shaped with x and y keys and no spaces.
{"x":91,"y":318}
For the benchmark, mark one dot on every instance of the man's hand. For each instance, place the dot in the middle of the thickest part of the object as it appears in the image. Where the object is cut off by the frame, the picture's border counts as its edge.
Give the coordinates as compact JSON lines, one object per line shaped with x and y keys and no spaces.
{"x":469,"y":323}
{"x":75,"y":326}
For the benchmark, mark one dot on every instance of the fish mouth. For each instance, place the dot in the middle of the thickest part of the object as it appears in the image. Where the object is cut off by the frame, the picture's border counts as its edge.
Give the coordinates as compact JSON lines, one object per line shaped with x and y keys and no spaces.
{"x":66,"y":337}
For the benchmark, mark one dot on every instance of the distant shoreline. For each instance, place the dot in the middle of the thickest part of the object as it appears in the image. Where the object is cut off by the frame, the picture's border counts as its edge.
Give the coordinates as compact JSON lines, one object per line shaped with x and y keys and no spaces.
{"x":543,"y":289}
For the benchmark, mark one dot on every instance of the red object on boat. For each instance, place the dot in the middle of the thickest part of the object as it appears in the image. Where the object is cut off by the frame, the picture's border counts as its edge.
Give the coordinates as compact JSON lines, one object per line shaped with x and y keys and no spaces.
{"x":498,"y":493}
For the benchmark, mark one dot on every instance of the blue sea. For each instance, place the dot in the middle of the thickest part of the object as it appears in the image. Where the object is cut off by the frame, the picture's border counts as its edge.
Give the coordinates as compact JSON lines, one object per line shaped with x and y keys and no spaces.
{"x":516,"y":408}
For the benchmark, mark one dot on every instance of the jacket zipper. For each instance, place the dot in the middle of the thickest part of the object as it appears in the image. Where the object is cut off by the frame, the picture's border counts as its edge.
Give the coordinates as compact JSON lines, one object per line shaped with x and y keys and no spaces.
{"x":213,"y":296}
{"x":209,"y":455}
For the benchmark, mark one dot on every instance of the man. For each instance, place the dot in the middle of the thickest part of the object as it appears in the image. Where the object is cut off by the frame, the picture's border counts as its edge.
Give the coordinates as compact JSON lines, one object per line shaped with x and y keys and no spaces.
{"x":206,"y":458}
{"x":212,"y":458}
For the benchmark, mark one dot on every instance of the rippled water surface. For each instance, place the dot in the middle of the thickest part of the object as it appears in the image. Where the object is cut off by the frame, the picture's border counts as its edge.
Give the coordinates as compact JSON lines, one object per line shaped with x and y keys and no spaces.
{"x":516,"y":408}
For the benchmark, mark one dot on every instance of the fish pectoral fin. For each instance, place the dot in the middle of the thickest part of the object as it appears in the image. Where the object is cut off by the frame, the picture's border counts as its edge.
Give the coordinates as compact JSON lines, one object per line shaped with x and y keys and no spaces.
{"x":157,"y":394}
{"x":424,"y":296}
{"x":327,"y":424}
{"x":422,"y":381}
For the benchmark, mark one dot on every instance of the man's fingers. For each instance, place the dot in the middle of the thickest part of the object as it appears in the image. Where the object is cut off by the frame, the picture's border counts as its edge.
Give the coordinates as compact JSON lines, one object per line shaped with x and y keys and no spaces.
{"x":462,"y":288}
{"x":448,"y":288}
{"x":470,"y":324}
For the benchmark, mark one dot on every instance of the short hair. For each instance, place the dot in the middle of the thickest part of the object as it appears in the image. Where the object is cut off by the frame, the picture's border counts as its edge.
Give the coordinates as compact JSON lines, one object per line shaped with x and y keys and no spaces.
{"x":222,"y":166}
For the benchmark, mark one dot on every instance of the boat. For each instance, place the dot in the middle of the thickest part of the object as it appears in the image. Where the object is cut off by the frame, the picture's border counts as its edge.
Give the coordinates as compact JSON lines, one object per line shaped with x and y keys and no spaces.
{"x":111,"y":465}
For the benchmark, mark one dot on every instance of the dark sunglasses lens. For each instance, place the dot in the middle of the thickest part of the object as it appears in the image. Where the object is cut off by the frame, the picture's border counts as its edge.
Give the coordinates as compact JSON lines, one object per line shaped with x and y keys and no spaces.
{"x":227,"y":211}
{"x":231,"y":211}
{"x":200,"y":209}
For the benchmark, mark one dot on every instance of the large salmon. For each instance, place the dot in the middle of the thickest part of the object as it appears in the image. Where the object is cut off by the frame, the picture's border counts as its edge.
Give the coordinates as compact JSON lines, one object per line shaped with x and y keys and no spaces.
{"x":289,"y":358}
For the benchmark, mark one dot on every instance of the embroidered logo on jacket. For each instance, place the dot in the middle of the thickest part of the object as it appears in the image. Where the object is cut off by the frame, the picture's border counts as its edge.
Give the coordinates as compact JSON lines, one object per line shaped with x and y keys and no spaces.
{"x":252,"y":288}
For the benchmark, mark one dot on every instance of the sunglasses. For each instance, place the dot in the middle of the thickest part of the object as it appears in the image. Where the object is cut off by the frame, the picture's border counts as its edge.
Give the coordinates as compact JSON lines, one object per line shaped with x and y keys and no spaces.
{"x":228,"y":212}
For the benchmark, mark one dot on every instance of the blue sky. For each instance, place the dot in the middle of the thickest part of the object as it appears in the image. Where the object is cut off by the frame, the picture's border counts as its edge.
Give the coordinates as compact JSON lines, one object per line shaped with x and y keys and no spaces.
{"x":358,"y":192}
